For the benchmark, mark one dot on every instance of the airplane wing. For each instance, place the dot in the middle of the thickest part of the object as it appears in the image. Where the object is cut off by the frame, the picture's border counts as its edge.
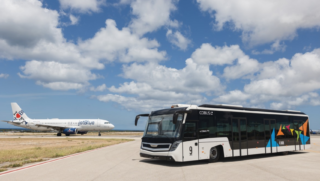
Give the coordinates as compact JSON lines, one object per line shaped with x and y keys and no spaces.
{"x":52,"y":126}
{"x":5,"y":121}
{"x":10,"y":122}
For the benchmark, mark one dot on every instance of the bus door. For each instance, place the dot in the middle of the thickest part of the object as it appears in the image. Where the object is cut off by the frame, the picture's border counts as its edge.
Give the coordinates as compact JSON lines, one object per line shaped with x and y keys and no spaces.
{"x":239,"y":137}
{"x":190,"y":148}
{"x":270,"y":136}
{"x":296,"y":125}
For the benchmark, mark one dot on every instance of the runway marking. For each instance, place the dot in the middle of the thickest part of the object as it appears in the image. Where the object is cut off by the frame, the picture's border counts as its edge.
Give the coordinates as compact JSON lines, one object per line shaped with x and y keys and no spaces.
{"x":49,"y":161}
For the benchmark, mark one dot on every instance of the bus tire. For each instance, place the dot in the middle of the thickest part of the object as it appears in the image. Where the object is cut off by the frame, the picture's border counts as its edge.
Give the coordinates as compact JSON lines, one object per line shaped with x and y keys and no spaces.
{"x":285,"y":153}
{"x":214,"y":154}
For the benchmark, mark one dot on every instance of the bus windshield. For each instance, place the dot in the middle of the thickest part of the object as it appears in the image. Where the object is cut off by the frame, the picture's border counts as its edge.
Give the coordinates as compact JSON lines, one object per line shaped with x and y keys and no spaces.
{"x":162,"y":126}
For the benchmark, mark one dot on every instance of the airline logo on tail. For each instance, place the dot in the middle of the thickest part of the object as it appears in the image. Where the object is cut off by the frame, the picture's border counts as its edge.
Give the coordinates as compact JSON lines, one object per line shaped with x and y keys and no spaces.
{"x":18,"y":115}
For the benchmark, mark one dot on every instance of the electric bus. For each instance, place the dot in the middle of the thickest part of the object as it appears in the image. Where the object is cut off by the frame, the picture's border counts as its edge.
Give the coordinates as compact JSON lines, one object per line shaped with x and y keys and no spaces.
{"x":208,"y":132}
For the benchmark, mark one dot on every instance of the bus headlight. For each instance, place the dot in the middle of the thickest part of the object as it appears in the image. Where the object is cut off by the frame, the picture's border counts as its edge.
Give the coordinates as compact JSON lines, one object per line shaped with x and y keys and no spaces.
{"x":175,"y":145}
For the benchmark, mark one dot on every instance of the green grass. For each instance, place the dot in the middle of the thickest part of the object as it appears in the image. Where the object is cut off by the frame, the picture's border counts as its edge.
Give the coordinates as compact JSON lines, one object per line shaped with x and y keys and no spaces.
{"x":19,"y":157}
{"x":3,"y":169}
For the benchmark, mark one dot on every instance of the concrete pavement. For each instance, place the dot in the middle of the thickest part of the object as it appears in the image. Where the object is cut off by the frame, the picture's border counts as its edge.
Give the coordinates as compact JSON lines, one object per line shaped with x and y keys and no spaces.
{"x":122,"y":162}
{"x":74,"y":137}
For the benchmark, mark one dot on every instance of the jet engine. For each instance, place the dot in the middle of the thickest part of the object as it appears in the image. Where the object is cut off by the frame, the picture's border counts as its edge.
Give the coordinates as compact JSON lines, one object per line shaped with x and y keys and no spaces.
{"x":70,"y":131}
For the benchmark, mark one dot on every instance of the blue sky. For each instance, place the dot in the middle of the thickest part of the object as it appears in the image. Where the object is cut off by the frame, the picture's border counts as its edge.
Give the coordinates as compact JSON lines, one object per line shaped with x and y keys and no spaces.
{"x":115,"y":59}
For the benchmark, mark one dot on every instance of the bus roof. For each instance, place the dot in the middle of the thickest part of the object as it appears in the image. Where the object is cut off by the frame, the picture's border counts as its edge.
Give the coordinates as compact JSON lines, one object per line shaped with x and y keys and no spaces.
{"x":249,"y":109}
{"x":236,"y":107}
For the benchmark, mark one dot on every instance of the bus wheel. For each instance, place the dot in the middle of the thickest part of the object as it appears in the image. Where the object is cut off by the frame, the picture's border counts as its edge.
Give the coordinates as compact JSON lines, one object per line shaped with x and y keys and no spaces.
{"x":214,"y":154}
{"x":285,"y":153}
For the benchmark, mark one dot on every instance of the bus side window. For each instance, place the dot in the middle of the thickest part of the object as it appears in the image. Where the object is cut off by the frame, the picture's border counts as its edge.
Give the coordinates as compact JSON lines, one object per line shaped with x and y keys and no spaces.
{"x":223,"y":129}
{"x":190,"y":130}
{"x":255,"y":131}
{"x":283,"y":132}
{"x":297,"y":122}
{"x":223,"y":123}
{"x":207,"y":126}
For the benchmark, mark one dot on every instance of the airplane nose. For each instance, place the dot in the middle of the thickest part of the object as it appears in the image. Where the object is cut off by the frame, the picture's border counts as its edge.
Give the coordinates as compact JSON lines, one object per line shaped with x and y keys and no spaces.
{"x":112,"y":126}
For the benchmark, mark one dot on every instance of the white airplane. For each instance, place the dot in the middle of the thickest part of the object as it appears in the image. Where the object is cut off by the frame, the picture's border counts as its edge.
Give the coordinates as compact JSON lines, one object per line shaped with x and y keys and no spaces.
{"x":65,"y":126}
{"x":314,"y":131}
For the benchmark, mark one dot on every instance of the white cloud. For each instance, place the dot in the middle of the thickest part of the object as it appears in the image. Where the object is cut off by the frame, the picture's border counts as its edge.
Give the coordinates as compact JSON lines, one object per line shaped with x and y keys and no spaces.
{"x":245,"y":66}
{"x":100,"y":88}
{"x":57,"y":76}
{"x":283,"y":83}
{"x":157,"y":86}
{"x":178,"y":39}
{"x":24,"y":23}
{"x":64,"y":52}
{"x":289,"y":103}
{"x":193,"y":78}
{"x":233,"y":97}
{"x":132,"y":103}
{"x":276,"y":46}
{"x":264,"y":21}
{"x":111,"y":44}
{"x":292,"y":77}
{"x":147,"y":105}
{"x":62,"y":86}
{"x":29,"y":31}
{"x":207,"y":54}
{"x":151,"y":15}
{"x":146,"y":92}
{"x":82,"y":6}
{"x":4,"y":76}
{"x":74,"y":20}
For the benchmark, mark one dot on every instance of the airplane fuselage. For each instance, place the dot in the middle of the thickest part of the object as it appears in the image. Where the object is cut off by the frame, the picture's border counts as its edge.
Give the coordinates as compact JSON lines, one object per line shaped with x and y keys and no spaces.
{"x":62,"y":126}
{"x":79,"y":124}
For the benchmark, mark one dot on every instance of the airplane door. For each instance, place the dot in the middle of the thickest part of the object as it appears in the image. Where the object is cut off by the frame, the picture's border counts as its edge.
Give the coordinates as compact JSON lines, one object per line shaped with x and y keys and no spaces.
{"x":190,"y":148}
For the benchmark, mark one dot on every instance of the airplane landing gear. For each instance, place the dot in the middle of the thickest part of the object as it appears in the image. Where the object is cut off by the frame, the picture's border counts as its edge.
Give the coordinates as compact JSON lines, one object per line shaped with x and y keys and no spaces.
{"x":67,"y":134}
{"x":99,"y":133}
{"x":58,"y":134}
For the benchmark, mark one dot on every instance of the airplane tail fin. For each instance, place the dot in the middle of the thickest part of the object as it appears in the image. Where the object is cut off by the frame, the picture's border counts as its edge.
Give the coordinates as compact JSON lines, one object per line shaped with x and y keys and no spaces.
{"x":18,"y":113}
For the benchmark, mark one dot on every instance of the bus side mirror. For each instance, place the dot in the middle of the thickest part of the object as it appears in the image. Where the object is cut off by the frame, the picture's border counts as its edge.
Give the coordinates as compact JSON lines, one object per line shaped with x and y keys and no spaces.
{"x":176,"y":115}
{"x":138,"y":116}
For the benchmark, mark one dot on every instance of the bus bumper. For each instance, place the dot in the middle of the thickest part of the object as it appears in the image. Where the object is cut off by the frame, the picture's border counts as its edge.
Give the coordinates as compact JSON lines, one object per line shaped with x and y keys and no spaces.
{"x":168,"y":158}
{"x":163,"y":155}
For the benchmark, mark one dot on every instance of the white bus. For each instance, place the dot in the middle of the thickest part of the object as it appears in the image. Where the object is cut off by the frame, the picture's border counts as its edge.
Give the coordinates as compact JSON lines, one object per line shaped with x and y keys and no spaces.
{"x":209,"y":132}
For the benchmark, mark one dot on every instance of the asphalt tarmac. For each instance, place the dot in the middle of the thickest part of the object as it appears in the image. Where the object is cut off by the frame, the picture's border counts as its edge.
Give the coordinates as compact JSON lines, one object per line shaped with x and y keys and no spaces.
{"x":122,"y":162}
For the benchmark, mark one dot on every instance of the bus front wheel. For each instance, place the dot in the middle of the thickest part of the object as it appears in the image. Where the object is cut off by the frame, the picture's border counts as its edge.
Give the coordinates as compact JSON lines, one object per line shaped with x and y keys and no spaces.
{"x":214,"y":154}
